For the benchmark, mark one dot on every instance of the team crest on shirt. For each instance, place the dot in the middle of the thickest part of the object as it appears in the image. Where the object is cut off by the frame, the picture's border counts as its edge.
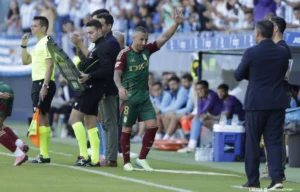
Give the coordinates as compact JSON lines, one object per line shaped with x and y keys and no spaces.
{"x":145,"y":57}
{"x":125,"y":119}
{"x":132,"y":60}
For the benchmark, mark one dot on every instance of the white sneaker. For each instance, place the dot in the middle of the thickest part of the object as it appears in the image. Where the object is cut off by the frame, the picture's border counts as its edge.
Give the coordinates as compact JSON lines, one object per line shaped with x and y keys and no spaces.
{"x":144,"y":164}
{"x":128,"y":167}
{"x":185,"y":150}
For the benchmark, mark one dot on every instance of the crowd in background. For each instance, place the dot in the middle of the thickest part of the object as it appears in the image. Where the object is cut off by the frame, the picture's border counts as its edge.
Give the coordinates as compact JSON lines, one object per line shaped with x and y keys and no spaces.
{"x":156,"y":15}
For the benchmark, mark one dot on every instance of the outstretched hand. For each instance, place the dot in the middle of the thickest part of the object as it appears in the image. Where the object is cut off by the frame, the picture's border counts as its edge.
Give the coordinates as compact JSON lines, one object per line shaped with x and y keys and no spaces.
{"x":178,"y":16}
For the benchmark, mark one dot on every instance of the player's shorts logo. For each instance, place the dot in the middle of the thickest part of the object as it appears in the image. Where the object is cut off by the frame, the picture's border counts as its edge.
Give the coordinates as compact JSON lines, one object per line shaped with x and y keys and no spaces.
{"x":125,"y":119}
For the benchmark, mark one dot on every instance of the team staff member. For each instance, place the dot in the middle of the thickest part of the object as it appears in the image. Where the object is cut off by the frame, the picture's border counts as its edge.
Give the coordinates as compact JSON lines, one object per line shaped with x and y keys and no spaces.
{"x":43,"y":85}
{"x":95,"y":71}
{"x":109,"y":104}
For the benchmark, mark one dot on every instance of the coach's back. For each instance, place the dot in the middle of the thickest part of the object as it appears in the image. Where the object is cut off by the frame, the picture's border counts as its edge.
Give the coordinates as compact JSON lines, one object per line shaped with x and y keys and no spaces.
{"x":264,"y":65}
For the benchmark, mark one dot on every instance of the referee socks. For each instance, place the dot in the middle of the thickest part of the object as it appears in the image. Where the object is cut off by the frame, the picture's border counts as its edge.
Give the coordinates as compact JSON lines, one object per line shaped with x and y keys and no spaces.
{"x":45,"y":133}
{"x":95,"y":144}
{"x":81,"y":139}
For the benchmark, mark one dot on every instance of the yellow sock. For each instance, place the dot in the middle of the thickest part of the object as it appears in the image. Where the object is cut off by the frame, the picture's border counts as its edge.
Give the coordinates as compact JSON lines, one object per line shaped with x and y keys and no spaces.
{"x":48,"y":138}
{"x":95,"y":144}
{"x":44,"y":141}
{"x":81,"y":139}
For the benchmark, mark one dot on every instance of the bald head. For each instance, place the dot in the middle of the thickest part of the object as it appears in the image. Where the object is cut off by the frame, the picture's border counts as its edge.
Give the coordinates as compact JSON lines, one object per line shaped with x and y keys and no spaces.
{"x":120,"y":37}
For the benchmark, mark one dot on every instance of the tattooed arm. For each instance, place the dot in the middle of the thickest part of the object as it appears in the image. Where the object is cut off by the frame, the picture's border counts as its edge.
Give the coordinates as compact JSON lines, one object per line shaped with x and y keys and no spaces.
{"x":170,"y":32}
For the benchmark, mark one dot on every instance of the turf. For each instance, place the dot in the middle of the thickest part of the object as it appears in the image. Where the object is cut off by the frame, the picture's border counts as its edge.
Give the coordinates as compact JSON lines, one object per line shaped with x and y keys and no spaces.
{"x":49,"y":178}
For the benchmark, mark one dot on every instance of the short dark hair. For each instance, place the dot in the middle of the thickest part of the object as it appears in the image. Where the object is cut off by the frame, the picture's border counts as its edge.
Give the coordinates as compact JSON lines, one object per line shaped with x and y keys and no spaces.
{"x":108,"y":18}
{"x":99,"y":11}
{"x":187,"y":76}
{"x":224,"y":87}
{"x":279,"y":22}
{"x":174,"y":78}
{"x":94,"y":23}
{"x":43,"y":21}
{"x":265,"y":27}
{"x":204,"y":83}
{"x":165,"y":73}
{"x":141,"y":29}
{"x":157,"y":83}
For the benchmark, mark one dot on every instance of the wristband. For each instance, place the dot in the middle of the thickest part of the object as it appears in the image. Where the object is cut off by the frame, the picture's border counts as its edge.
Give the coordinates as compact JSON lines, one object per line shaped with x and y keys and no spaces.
{"x":24,"y":47}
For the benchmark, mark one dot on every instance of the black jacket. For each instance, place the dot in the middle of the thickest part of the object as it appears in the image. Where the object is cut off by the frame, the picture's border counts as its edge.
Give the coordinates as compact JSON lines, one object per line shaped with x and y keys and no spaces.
{"x":264,"y":66}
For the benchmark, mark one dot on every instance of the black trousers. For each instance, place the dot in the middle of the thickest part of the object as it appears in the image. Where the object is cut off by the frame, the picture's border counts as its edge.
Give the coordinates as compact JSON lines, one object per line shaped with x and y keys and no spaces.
{"x":268,"y":123}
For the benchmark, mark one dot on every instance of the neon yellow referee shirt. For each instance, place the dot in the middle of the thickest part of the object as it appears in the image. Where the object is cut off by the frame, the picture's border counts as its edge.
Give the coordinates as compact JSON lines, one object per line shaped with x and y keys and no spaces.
{"x":39,"y":54}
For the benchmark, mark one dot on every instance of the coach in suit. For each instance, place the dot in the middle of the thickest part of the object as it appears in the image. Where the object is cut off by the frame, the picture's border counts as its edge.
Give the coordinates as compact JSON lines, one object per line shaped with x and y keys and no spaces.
{"x":264,"y":66}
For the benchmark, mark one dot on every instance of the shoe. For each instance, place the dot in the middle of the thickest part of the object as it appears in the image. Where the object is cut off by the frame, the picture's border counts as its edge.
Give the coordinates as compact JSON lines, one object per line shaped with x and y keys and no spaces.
{"x":81,"y":161}
{"x":275,"y":185}
{"x":144,"y":164}
{"x":90,"y":164}
{"x":24,"y":148}
{"x":102,"y":159}
{"x":108,"y":163}
{"x":185,"y":150}
{"x":128,"y":167}
{"x":21,"y":159}
{"x":247,"y":185}
{"x":40,"y":159}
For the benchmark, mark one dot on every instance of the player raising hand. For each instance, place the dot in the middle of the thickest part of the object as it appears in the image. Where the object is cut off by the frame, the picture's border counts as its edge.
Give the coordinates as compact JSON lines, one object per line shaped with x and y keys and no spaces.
{"x":131,"y":78}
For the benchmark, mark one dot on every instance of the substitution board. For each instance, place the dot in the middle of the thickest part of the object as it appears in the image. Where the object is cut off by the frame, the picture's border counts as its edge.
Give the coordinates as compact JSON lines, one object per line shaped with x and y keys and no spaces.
{"x":65,"y":65}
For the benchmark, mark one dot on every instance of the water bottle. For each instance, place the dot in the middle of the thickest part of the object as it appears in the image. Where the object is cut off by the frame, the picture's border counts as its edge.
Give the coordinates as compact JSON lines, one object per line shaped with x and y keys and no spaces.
{"x":235,"y":120}
{"x":223,"y":119}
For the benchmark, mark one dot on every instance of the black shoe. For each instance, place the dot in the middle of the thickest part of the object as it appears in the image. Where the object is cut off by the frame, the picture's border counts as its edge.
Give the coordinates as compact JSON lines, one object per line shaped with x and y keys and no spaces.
{"x":81,"y":161}
{"x":93,"y":165}
{"x":275,"y":185}
{"x":247,"y":185}
{"x":40,"y":159}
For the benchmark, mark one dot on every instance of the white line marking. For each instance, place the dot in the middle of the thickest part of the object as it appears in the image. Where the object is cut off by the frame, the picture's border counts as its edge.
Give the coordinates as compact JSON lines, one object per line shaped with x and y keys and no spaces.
{"x":54,"y":152}
{"x":190,"y":172}
{"x":116,"y":176}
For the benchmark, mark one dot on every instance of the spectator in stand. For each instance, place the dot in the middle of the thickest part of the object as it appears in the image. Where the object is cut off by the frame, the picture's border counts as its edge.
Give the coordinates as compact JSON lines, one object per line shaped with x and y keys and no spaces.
{"x":47,"y":10}
{"x":63,"y":14}
{"x":27,"y":12}
{"x":79,"y":10}
{"x":13,"y":19}
{"x":296,"y":20}
{"x":295,"y":92}
{"x":262,"y":8}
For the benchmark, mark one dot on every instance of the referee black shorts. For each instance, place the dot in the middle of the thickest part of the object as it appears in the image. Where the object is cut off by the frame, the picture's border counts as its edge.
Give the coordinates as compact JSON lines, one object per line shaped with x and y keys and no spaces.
{"x":35,"y":95}
{"x":87,"y":102}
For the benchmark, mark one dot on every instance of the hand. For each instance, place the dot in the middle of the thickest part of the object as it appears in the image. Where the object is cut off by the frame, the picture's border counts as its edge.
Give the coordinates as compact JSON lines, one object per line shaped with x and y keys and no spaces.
{"x":43,"y":93}
{"x":178,"y":17}
{"x":25,"y":39}
{"x":123,"y":93}
{"x":83,"y":78}
{"x":203,"y":117}
{"x":76,"y":39}
{"x":189,"y":117}
{"x":5,"y":95}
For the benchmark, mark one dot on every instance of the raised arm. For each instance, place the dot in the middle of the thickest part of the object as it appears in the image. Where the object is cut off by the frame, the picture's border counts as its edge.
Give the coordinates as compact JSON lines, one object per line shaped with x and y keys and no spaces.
{"x":26,"y":58}
{"x":178,"y":17}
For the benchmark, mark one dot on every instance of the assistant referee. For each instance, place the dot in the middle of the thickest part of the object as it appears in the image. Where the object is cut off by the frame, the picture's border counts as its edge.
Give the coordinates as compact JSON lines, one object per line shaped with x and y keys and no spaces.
{"x":43,"y":85}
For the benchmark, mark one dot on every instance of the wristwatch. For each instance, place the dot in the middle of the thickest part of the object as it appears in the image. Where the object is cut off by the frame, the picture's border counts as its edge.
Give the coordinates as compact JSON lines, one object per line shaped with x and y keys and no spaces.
{"x":46,"y":86}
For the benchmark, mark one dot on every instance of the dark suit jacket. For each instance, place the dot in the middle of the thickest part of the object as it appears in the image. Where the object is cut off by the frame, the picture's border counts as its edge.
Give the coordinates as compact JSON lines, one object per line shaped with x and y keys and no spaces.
{"x":264,"y":66}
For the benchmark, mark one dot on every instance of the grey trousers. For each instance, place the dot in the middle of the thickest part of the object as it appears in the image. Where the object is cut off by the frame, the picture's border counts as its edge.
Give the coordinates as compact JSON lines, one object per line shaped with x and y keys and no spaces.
{"x":109,"y":119}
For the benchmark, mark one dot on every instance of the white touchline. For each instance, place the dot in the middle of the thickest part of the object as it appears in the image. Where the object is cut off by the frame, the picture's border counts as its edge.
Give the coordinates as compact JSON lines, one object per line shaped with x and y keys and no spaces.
{"x":115,"y":176}
{"x":54,"y":152}
{"x":190,"y":172}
